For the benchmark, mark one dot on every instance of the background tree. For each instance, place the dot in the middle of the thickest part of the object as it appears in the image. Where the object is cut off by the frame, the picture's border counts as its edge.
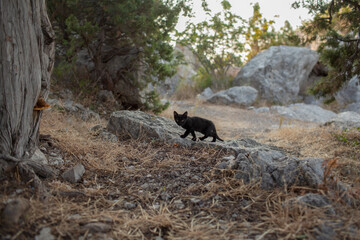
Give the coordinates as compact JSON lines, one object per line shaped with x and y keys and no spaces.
{"x":26,"y":62}
{"x":138,"y":30}
{"x":260,"y":34}
{"x":336,"y":24}
{"x":223,"y":40}
{"x":216,"y":43}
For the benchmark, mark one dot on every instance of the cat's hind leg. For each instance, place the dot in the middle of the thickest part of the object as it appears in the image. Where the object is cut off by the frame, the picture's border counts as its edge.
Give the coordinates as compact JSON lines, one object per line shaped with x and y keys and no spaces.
{"x":202,"y":138}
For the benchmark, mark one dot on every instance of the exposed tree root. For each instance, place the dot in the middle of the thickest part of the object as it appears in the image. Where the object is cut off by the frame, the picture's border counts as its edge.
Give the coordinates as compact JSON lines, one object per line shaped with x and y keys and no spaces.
{"x":27,"y":171}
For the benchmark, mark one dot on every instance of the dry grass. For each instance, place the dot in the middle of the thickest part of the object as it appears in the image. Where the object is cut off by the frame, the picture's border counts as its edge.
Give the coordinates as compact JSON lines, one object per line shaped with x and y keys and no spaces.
{"x":155,"y":176}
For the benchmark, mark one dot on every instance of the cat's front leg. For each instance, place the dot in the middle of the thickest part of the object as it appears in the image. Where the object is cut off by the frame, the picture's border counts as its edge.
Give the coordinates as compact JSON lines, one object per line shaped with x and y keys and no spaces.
{"x":194,"y":136}
{"x":185,"y":134}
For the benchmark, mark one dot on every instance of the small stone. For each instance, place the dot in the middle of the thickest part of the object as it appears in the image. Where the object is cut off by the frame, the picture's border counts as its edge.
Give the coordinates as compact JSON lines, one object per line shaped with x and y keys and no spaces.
{"x":108,"y":136}
{"x":56,"y":161}
{"x":74,"y":174}
{"x":179,"y":204}
{"x":222,"y":165}
{"x":156,"y":206}
{"x":14,"y":210}
{"x":74,"y":217}
{"x":106,"y":96}
{"x":96,"y":128}
{"x":228,"y":158}
{"x":45,"y":234}
{"x":97,"y":227}
{"x":195,"y":200}
{"x":131,"y":167}
{"x":129,"y":205}
{"x":52,"y":154}
{"x":165,"y":196}
{"x":39,"y":157}
{"x":315,"y":200}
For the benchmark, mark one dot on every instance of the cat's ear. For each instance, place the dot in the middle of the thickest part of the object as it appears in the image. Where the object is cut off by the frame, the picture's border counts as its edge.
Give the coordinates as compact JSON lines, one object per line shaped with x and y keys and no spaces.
{"x":185,"y":114}
{"x":175,"y":113}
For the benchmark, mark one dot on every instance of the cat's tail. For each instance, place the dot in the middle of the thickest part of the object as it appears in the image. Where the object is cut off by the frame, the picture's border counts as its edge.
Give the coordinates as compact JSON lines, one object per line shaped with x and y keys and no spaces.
{"x":217,"y":137}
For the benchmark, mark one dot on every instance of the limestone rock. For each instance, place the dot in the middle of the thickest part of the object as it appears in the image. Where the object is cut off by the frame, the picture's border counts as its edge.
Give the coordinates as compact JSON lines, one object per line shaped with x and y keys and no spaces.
{"x":207,"y":93}
{"x":184,"y":72}
{"x":345,"y":120}
{"x":314,"y":201}
{"x":76,"y":108}
{"x":279,"y":73}
{"x":39,"y":157}
{"x":241,"y":96}
{"x":106,"y":96}
{"x":137,"y":124}
{"x":350,"y":92}
{"x":74,"y":174}
{"x":95,"y":227}
{"x":304,"y":112}
{"x":254,"y":162}
{"x":353,"y":107}
{"x":275,"y":169}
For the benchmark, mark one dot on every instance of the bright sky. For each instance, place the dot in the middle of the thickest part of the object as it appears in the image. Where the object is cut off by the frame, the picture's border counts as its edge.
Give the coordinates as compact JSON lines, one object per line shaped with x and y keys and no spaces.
{"x":243,"y":8}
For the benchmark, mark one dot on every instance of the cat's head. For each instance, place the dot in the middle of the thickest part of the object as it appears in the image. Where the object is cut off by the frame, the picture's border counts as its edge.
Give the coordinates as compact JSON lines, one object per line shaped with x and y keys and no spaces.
{"x":180,"y":119}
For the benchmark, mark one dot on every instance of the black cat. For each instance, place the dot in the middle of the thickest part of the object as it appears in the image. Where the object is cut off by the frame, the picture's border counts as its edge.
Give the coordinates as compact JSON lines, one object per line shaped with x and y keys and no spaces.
{"x":192,"y":124}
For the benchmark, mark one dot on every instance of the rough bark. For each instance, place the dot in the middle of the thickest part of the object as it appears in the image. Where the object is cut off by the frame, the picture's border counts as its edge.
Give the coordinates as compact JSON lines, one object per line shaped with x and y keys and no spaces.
{"x":26,"y":62}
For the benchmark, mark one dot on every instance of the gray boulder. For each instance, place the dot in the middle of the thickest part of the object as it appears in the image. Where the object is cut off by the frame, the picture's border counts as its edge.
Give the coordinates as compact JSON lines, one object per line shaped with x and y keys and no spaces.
{"x":353,"y":107}
{"x":345,"y":120}
{"x":136,"y":124}
{"x":316,"y":200}
{"x":207,"y":93}
{"x":276,"y":169}
{"x":184,"y":72}
{"x":280,"y":73}
{"x":304,"y":112}
{"x":349,"y":93}
{"x":76,"y":108}
{"x":241,"y":96}
{"x":262,"y":110}
{"x":106,"y":96}
{"x":254,"y":161}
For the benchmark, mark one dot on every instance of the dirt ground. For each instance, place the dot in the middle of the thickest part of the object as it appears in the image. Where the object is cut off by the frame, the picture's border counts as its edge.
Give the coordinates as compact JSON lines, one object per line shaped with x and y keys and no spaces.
{"x":135,"y":189}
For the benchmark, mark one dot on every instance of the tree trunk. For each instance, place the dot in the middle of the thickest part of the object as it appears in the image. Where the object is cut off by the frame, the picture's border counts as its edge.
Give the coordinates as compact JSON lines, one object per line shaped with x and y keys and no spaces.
{"x":26,"y":62}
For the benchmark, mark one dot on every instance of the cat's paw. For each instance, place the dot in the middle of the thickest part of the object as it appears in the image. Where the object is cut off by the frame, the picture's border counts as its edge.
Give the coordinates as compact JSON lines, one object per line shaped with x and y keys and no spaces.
{"x":182,"y":136}
{"x":194,"y":139}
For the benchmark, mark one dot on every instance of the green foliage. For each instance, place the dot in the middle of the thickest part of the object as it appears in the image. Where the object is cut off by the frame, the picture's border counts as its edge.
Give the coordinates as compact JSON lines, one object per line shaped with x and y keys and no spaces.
{"x":336,"y":24}
{"x":350,"y":136}
{"x":202,"y":80}
{"x":260,"y":34}
{"x":154,"y":104}
{"x":215,"y":42}
{"x":145,"y":25}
